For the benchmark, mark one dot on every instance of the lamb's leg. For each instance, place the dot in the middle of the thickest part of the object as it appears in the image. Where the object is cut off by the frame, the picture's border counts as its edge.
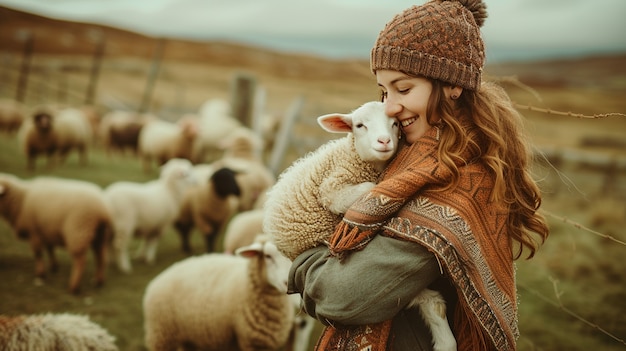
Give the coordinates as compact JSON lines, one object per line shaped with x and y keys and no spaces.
{"x":432,"y":307}
{"x":79,"y":259}
{"x":184,"y":229}
{"x":151,"y":244}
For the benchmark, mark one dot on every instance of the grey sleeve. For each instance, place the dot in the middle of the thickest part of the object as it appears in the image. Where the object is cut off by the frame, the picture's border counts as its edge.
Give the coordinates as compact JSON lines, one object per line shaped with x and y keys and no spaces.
{"x":369,"y":286}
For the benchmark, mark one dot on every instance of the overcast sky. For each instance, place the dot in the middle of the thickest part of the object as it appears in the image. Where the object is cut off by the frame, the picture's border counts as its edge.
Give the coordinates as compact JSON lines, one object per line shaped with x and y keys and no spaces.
{"x":348,"y":28}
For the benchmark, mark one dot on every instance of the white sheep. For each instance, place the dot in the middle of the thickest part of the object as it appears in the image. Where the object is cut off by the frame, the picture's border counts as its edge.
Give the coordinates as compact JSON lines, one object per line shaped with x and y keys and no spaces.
{"x":309,"y":198}
{"x":145,"y":210}
{"x":12,"y":115}
{"x":161,"y":140}
{"x":53,"y":332}
{"x":51,"y":212}
{"x":242,"y":229}
{"x":208,"y":205}
{"x":54,"y":133}
{"x":221,"y":302}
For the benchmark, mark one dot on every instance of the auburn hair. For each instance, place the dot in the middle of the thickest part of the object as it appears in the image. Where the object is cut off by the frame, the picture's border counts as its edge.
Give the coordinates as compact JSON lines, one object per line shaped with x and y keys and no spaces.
{"x":494,"y":128}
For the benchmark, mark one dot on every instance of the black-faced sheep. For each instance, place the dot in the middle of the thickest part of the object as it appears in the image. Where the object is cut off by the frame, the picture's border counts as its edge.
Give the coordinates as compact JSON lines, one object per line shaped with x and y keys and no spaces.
{"x":145,"y":210}
{"x":54,"y":133}
{"x":221,"y":302}
{"x":51,"y":212}
{"x":208,"y":205}
{"x":12,"y":115}
{"x":53,"y":332}
{"x":161,"y":141}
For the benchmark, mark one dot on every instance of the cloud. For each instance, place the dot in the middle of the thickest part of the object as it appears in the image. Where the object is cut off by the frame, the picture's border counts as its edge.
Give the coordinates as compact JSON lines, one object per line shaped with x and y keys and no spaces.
{"x":346,"y":27}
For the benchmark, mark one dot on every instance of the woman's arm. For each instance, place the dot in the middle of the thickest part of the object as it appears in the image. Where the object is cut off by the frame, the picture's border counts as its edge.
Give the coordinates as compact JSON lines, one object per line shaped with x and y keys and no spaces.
{"x":368,"y":286}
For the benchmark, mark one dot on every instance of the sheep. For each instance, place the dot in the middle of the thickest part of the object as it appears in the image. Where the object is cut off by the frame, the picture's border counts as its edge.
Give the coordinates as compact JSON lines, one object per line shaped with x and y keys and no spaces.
{"x":53,"y":332}
{"x":242,"y":228}
{"x":208,"y":205}
{"x":12,"y":115}
{"x":146,"y":209}
{"x":119,"y":131}
{"x":49,"y":212}
{"x":253,"y":177}
{"x":55,"y":132}
{"x":309,"y":198}
{"x":221,"y":302}
{"x":162,"y":140}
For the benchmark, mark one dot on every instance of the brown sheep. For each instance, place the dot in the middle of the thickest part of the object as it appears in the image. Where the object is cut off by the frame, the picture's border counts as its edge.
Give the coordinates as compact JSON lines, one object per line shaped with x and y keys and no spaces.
{"x":50,"y":212}
{"x":55,"y":133}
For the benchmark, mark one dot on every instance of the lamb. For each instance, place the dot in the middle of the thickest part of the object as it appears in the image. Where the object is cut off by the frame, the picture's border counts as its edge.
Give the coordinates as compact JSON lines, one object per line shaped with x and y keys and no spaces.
{"x":146,"y":209}
{"x":51,"y":212}
{"x":309,"y":198}
{"x":12,"y":115}
{"x":208,"y":205}
{"x":162,"y":140}
{"x":53,"y":332}
{"x":253,"y":177}
{"x":221,"y":302}
{"x":55,"y":132}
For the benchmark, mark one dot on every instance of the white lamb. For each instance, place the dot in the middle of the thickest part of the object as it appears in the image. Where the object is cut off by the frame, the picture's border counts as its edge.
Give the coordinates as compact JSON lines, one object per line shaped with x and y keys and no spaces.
{"x":221,"y":302}
{"x":145,"y":210}
{"x":53,"y":332}
{"x":308,"y":200}
{"x":161,"y":140}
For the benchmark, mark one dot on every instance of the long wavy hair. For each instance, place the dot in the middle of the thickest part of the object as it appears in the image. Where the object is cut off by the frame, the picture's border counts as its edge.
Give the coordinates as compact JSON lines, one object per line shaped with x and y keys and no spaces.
{"x":494,"y":128}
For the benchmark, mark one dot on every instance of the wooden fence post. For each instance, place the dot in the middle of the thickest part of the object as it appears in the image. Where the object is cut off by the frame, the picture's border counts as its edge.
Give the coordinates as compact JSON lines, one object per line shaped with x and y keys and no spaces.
{"x":242,"y":98}
{"x":154,"y":72}
{"x":99,"y":39}
{"x":284,"y":135}
{"x":22,"y":83}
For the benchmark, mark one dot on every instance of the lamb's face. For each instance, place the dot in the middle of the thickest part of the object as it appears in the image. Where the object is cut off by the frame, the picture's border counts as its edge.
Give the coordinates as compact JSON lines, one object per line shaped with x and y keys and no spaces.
{"x":376,"y":135}
{"x":43,"y":122}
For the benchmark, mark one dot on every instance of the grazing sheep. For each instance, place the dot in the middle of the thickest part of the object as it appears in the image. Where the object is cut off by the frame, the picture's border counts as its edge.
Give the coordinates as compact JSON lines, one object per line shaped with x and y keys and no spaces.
{"x":51,"y":212}
{"x":208,"y":205}
{"x":221,"y":302}
{"x":309,"y":198}
{"x":161,"y":141}
{"x":53,"y":332}
{"x":119,"y":131}
{"x":242,"y":143}
{"x":145,"y":210}
{"x":55,"y":132}
{"x":253,"y":177}
{"x":241,"y":230}
{"x":12,"y":114}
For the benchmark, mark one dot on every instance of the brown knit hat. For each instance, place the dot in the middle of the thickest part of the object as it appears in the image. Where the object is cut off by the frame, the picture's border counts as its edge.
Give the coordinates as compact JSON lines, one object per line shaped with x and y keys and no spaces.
{"x":439,"y":39}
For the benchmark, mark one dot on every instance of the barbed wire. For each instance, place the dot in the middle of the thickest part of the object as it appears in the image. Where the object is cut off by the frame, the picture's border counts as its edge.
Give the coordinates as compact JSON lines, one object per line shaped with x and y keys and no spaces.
{"x":582,"y":227}
{"x":570,"y":114}
{"x":559,"y":305}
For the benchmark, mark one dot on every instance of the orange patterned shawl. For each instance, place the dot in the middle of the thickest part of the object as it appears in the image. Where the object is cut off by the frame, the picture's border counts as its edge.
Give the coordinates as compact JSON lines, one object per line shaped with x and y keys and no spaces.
{"x":464,"y":229}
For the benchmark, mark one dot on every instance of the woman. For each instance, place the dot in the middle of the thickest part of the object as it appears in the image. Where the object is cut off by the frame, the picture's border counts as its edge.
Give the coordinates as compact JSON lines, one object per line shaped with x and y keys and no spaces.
{"x":452,"y":211}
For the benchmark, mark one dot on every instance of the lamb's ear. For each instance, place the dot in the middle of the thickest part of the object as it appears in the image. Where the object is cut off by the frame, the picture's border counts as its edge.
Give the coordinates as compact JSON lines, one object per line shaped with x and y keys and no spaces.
{"x":251,"y":250}
{"x":336,"y":123}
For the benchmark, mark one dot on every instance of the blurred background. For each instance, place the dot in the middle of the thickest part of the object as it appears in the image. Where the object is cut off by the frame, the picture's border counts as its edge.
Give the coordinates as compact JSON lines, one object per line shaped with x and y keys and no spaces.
{"x":562,"y":62}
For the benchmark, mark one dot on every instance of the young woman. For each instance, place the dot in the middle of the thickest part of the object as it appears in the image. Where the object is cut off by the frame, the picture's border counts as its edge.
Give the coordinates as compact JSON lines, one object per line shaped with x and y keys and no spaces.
{"x":452,"y":211}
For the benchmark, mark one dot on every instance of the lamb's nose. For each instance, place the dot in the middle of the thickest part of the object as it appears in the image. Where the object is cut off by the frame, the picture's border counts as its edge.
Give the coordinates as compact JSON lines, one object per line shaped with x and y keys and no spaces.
{"x":384,"y":140}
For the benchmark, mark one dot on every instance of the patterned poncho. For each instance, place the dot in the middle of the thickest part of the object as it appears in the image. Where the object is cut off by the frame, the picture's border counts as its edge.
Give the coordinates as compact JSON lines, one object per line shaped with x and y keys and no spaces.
{"x":462,"y":227}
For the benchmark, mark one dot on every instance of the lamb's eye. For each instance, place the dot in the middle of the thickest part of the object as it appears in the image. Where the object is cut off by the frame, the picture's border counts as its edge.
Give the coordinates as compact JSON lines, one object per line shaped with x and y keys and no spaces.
{"x":360,"y":125}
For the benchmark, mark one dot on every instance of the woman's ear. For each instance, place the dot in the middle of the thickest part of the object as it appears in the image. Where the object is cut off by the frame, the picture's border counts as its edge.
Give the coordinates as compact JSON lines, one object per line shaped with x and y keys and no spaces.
{"x":452,"y":92}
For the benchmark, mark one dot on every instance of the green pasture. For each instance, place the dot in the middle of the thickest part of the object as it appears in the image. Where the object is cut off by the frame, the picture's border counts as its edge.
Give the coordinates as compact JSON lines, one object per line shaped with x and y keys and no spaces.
{"x":571,"y":294}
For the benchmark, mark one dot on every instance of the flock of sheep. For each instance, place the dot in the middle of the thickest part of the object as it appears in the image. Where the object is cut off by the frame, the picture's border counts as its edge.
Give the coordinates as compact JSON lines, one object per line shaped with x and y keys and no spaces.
{"x":248,"y":278}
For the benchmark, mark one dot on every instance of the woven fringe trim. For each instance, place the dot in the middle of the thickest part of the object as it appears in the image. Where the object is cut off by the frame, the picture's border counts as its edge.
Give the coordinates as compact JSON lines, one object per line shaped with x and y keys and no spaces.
{"x":349,"y":238}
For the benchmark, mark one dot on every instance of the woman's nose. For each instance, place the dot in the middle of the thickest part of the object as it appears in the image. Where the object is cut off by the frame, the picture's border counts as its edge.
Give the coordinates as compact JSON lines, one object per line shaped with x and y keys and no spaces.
{"x":392,"y":108}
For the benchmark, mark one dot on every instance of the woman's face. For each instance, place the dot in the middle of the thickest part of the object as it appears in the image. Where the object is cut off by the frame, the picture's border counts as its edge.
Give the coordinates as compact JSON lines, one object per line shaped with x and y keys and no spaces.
{"x":406,"y":99}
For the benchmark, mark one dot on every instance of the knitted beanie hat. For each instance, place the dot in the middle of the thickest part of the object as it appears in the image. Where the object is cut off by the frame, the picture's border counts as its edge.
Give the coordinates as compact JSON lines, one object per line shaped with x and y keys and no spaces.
{"x":439,"y":39}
